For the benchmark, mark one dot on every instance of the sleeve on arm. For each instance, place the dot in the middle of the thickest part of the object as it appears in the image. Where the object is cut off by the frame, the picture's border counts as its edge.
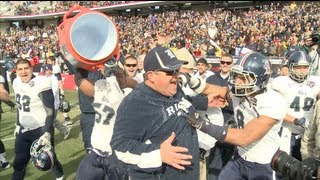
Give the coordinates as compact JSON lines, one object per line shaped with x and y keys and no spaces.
{"x":123,"y":80}
{"x":47,"y":99}
{"x":58,"y":75}
{"x":269,"y":108}
{"x":200,"y":102}
{"x":308,"y":141}
{"x":276,"y":84}
{"x":127,"y":141}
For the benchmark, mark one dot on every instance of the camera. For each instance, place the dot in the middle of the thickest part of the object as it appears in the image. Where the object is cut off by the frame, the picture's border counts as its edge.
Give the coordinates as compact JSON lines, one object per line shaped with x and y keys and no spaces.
{"x":294,"y":169}
{"x":315,"y":39}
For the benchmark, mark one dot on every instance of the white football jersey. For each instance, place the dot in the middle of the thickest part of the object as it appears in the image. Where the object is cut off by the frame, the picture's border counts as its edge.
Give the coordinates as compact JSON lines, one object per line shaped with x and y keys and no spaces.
{"x":56,"y":69}
{"x":300,"y":97}
{"x":205,"y":75}
{"x":107,"y":98}
{"x":270,"y":104}
{"x":30,"y":107}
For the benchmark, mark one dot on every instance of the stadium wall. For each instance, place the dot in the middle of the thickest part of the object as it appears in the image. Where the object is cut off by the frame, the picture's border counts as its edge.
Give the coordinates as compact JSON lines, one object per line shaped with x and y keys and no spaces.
{"x":50,"y":21}
{"x":4,"y":25}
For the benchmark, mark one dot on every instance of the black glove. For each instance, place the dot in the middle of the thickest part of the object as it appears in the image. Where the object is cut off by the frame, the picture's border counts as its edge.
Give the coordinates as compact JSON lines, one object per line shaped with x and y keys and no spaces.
{"x":61,"y":96}
{"x":80,"y":75}
{"x":110,"y":67}
{"x":300,"y":122}
{"x":187,"y":110}
{"x":11,"y":104}
{"x":231,"y":123}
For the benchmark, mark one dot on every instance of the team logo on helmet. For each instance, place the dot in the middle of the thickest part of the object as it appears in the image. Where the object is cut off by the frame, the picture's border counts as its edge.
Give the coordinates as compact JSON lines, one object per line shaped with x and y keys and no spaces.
{"x":42,"y":156}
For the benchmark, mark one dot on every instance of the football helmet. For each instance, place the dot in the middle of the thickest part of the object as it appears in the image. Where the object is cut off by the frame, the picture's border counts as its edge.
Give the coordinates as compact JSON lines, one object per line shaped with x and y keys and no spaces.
{"x":64,"y":106}
{"x":254,"y":70}
{"x":42,"y":156}
{"x":299,"y":59}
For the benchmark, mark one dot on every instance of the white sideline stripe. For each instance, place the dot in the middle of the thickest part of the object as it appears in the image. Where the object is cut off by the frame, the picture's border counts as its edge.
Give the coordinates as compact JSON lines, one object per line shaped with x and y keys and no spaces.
{"x":8,"y":139}
{"x":12,"y":138}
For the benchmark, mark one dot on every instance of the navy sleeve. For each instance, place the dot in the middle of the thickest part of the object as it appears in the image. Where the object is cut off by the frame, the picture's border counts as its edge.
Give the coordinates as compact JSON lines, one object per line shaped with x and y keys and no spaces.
{"x":85,"y":102}
{"x":199,"y":102}
{"x":58,"y":75}
{"x":217,"y":80}
{"x":47,"y":99}
{"x":130,"y":137}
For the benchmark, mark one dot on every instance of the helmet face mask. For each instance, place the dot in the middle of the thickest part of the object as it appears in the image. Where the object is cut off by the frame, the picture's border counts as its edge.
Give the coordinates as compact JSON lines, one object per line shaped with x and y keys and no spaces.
{"x":299,"y":72}
{"x":42,"y":156}
{"x":110,"y":66}
{"x":243,"y":82}
{"x":299,"y":66}
{"x":250,"y":74}
{"x":65,"y":106}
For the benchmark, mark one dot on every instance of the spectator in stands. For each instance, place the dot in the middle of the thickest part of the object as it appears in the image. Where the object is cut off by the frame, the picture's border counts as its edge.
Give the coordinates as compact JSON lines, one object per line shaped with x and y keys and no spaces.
{"x":202,"y":67}
{"x":131,"y":69}
{"x":140,"y":63}
{"x":284,"y":70}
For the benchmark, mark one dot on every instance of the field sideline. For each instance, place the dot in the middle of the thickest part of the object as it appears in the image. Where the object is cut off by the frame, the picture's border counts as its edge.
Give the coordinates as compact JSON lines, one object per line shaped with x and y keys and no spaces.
{"x":70,"y":151}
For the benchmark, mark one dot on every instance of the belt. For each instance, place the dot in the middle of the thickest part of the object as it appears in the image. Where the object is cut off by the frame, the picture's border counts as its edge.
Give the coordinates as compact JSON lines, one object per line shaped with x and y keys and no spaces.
{"x":101,"y":153}
{"x":23,"y":130}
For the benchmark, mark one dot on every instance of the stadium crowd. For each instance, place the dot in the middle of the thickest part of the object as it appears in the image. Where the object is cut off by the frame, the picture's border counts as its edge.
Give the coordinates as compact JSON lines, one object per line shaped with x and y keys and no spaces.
{"x":272,"y":30}
{"x":18,"y":8}
{"x":162,"y":85}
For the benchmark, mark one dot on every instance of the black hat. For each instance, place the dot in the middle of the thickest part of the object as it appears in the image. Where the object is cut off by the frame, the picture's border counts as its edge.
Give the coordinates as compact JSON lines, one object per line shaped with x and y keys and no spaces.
{"x":47,"y":67}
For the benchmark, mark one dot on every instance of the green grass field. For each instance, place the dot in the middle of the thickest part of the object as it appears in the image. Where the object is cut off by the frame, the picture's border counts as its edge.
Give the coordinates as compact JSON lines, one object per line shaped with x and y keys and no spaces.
{"x":70,"y":151}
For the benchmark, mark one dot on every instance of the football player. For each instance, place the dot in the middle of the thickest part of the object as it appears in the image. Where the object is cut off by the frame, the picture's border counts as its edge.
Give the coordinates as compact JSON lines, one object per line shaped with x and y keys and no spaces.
{"x":56,"y":70}
{"x":35,"y":104}
{"x":300,"y":89}
{"x":100,"y":163}
{"x":259,"y":113}
{"x":55,"y":89}
{"x":4,"y":96}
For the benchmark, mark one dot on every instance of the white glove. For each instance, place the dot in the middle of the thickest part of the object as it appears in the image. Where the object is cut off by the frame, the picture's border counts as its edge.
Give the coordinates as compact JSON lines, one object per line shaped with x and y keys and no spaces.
{"x":16,"y":131}
{"x":184,"y":105}
{"x":45,"y":139}
{"x":197,"y":84}
{"x":184,"y":79}
{"x":212,"y":31}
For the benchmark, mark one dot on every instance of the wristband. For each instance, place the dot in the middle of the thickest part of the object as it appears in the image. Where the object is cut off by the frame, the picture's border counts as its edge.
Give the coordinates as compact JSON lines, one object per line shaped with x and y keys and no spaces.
{"x":218,"y":132}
